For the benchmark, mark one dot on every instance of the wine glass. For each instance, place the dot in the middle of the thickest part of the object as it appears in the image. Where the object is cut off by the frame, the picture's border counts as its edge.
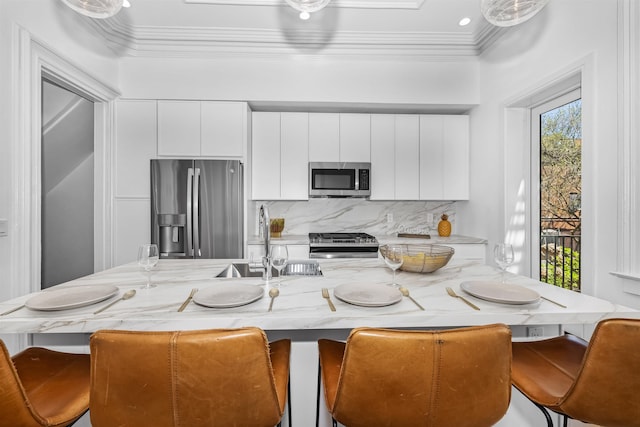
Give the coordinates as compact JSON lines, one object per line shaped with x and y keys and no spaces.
{"x":503,"y":255}
{"x":279,"y":257}
{"x":147,"y":259}
{"x":393,"y":257}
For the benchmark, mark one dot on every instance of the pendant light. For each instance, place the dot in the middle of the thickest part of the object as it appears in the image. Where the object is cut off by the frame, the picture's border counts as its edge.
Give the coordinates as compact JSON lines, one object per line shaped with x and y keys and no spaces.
{"x":306,"y":7}
{"x":95,"y":8}
{"x":506,"y":13}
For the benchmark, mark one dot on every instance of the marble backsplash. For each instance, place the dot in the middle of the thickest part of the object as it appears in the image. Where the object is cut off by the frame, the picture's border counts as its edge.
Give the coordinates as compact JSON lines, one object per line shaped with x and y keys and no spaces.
{"x":338,"y":215}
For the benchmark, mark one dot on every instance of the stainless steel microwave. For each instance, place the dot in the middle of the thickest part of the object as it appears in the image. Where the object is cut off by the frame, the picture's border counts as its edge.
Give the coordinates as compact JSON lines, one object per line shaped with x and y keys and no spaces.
{"x":339,"y":179}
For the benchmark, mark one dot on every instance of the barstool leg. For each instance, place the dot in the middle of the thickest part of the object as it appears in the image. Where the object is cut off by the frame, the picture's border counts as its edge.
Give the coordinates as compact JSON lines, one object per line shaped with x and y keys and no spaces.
{"x":546,"y":414}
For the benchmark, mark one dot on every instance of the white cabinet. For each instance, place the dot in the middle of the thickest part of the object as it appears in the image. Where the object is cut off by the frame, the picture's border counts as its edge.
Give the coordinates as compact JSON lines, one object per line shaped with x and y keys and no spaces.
{"x":224,"y":128}
{"x":178,"y":128}
{"x":279,"y":156}
{"x":294,"y":156}
{"x":395,"y":149}
{"x":383,"y":157}
{"x":255,"y":252}
{"x":344,"y":137}
{"x":324,"y":137}
{"x":135,"y":146}
{"x":355,"y":137}
{"x":444,"y":157}
{"x":407,"y":164}
{"x":202,"y":128}
{"x":265,"y":156}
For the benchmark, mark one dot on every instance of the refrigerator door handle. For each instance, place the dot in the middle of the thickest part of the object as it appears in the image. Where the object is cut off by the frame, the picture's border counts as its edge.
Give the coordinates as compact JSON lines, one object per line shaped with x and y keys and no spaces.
{"x":196,"y":214}
{"x":189,"y":243}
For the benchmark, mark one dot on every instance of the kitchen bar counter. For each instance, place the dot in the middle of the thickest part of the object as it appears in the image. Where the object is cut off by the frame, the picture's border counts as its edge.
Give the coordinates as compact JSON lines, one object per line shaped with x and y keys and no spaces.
{"x":301,"y":314}
{"x":300,"y":305}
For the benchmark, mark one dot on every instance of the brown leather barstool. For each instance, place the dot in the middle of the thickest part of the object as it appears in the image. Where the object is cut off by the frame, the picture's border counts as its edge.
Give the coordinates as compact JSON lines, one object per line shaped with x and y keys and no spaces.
{"x":447,"y":378}
{"x":40,"y":387}
{"x":596,"y":382}
{"x":219,"y":377}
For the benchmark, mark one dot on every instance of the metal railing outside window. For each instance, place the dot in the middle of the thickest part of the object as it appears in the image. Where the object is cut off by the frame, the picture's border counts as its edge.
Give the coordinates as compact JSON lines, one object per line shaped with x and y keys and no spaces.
{"x":560,"y":252}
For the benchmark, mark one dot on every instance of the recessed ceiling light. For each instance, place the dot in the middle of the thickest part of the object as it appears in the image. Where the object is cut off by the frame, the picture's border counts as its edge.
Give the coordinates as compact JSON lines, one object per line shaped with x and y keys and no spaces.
{"x":305,"y":15}
{"x":464,"y":21}
{"x":126,"y":3}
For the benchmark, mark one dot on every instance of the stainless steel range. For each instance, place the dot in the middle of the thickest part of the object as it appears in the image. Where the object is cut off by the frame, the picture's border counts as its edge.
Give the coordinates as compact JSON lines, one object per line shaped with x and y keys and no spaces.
{"x":342,"y":245}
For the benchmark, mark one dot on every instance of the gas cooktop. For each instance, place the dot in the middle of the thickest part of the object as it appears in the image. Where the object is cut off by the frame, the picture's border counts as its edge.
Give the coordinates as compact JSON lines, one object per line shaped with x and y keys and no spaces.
{"x":344,"y":238}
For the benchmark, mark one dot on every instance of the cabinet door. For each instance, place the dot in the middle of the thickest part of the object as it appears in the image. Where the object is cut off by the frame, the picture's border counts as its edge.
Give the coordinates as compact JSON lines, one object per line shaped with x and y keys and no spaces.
{"x":431,"y":157}
{"x":383,"y":168}
{"x":223,"y":128}
{"x":294,"y":156}
{"x":355,"y":137}
{"x":456,"y":157}
{"x":136,"y":127}
{"x":324,"y":137}
{"x":444,"y":157}
{"x":265,"y":156}
{"x":178,"y":128}
{"x":407,"y":153}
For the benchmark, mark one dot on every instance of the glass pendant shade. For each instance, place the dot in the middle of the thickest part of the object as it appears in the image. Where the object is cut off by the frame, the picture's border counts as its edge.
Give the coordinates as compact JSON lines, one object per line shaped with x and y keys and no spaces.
{"x":95,"y":8}
{"x":308,"y":6}
{"x":506,"y":13}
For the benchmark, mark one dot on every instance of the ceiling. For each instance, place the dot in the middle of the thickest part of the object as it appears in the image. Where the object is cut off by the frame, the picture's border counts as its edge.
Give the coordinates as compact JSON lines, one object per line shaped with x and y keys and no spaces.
{"x":366,"y":28}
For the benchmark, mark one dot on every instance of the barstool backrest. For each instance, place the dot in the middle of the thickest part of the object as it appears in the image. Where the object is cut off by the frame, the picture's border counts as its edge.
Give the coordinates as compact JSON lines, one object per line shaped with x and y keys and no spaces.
{"x":188,"y":378}
{"x":458,"y":377}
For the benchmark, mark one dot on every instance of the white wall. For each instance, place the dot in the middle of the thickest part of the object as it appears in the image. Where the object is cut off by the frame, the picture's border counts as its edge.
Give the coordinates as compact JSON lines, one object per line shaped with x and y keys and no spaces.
{"x":568,"y":35}
{"x":55,"y":26}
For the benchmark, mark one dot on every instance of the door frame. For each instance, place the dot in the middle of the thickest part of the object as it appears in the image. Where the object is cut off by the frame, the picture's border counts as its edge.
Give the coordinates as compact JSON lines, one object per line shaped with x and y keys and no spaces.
{"x":33,"y":60}
{"x":536,"y":111}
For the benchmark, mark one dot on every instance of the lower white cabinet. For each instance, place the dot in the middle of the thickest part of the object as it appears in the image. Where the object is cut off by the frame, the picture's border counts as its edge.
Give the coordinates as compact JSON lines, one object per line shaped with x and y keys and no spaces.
{"x":256,"y":252}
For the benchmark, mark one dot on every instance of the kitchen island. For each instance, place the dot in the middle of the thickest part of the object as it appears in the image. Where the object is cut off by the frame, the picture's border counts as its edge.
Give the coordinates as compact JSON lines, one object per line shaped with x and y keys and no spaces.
{"x":300,"y":312}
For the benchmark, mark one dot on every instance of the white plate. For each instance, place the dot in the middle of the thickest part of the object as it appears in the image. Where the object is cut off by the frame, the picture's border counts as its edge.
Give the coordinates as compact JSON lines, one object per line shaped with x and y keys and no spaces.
{"x":68,"y":297}
{"x":228,"y":295}
{"x":499,"y":292}
{"x":367,"y":295}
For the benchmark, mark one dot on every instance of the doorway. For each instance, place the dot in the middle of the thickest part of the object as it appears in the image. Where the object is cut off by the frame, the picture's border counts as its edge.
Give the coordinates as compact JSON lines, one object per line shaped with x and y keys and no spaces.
{"x":557,"y":169}
{"x":67,"y":196}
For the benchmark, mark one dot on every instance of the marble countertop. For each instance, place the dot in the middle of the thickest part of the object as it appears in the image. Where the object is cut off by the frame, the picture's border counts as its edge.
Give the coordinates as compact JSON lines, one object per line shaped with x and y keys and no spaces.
{"x":300,"y":305}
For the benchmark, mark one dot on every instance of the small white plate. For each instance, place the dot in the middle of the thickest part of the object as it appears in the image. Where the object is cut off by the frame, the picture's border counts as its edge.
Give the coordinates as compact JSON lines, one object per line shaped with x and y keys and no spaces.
{"x":227,"y":295}
{"x":367,"y":295}
{"x":500,"y":292}
{"x":64,"y":298}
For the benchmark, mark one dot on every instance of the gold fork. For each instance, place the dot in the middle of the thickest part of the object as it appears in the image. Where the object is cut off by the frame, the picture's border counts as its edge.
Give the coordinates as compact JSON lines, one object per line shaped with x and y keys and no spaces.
{"x":188,"y":300}
{"x":325,"y":295}
{"x":453,"y":294}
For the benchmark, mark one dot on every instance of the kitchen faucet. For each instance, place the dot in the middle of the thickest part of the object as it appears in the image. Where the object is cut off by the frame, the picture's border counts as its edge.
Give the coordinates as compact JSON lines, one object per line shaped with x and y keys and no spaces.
{"x":266,"y":233}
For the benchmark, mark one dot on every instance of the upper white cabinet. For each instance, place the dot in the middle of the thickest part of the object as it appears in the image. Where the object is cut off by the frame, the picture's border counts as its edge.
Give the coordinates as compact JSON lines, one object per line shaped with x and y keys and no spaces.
{"x":279,"y":156}
{"x":224,"y":128}
{"x":324,"y":137}
{"x":355,"y":137}
{"x":419,"y":157}
{"x":178,"y":128}
{"x":344,"y":137}
{"x":444,"y":157}
{"x":202,"y":128}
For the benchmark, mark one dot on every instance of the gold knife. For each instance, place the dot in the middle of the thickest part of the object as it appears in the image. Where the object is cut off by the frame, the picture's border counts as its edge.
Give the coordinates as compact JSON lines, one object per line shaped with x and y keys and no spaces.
{"x":188,"y":300}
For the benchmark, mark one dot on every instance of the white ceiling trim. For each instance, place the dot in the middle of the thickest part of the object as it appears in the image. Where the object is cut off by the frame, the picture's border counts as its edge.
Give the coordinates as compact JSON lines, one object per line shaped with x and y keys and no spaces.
{"x":357,"y":4}
{"x":195,"y":41}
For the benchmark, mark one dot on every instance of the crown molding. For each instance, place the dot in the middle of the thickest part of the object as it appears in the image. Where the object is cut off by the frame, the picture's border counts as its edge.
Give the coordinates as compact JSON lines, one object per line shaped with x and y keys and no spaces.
{"x":196,"y":41}
{"x":356,"y":4}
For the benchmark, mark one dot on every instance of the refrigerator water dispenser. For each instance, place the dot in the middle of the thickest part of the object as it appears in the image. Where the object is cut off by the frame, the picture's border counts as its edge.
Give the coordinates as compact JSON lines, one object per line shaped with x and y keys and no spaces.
{"x":172,"y":233}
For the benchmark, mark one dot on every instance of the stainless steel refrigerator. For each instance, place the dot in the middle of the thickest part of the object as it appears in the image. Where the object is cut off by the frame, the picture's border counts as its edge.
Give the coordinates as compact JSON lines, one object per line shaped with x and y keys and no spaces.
{"x":197,"y":208}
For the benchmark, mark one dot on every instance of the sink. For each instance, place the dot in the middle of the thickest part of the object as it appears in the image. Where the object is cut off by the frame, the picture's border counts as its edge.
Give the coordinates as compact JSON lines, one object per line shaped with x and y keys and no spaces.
{"x":293,"y":268}
{"x":242,"y":269}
